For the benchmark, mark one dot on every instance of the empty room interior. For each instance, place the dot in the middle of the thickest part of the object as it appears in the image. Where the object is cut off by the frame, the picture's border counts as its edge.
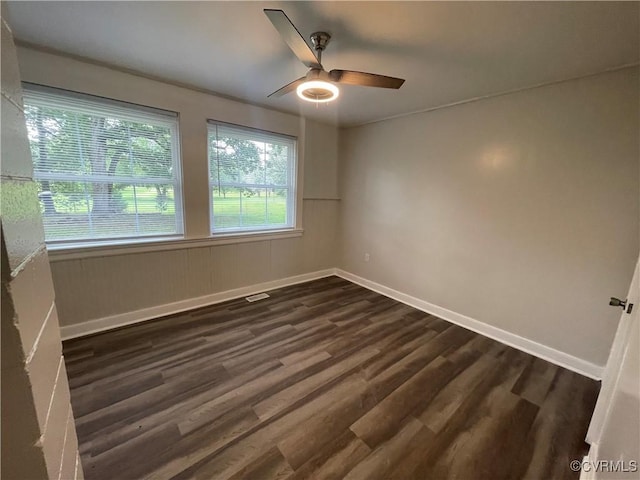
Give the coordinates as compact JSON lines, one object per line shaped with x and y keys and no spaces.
{"x":360,"y":240}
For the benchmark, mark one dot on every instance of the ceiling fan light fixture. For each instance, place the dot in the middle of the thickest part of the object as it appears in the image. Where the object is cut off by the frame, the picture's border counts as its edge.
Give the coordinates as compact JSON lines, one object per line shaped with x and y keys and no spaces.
{"x":317,"y":91}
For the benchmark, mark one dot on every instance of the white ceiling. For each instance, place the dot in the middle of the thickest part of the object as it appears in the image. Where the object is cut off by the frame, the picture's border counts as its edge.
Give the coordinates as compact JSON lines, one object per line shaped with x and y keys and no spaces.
{"x":447,"y":52}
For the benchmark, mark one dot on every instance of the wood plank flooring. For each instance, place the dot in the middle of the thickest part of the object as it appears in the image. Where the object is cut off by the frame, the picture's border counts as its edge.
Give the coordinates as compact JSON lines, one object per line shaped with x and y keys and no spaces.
{"x":322,"y":380}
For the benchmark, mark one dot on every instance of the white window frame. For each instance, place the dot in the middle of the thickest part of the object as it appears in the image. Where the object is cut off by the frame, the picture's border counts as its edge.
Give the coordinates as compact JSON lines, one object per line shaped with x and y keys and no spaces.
{"x":256,"y":134}
{"x":80,"y":102}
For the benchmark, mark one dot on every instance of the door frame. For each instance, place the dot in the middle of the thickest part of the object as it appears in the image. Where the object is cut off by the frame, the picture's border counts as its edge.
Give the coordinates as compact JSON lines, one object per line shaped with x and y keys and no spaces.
{"x":612,"y":369}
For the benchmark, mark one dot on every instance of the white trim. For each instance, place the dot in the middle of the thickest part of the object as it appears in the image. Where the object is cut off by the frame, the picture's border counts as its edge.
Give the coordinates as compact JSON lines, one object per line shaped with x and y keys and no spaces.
{"x":590,"y":458}
{"x":549,"y":354}
{"x":552,"y":355}
{"x":610,"y":379}
{"x":589,"y":474}
{"x":612,"y":371}
{"x":120,"y":320}
{"x":216,"y":129}
{"x":141,"y":246}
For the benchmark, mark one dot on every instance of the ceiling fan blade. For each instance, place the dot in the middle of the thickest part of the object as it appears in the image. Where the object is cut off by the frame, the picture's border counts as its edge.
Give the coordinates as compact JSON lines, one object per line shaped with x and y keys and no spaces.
{"x":292,"y":37}
{"x":350,"y":77}
{"x":290,"y":87}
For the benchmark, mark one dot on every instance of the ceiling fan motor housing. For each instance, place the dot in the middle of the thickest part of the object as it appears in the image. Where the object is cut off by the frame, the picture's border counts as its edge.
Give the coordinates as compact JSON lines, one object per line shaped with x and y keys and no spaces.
{"x":319,"y":40}
{"x":318,"y":74}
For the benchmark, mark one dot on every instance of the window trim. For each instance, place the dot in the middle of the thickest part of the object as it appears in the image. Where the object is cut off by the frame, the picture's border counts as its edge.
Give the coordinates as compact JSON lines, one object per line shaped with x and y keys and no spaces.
{"x":80,"y":102}
{"x":292,"y":212}
{"x":60,"y":253}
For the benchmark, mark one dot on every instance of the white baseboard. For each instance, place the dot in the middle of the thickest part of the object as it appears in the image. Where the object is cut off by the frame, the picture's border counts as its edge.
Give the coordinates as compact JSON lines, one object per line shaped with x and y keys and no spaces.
{"x":591,"y":458}
{"x":587,"y":474}
{"x":552,"y":355}
{"x":120,"y":320}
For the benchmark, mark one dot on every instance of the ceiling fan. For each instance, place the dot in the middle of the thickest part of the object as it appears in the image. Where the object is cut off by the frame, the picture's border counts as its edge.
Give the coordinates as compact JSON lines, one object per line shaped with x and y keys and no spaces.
{"x":318,"y":85}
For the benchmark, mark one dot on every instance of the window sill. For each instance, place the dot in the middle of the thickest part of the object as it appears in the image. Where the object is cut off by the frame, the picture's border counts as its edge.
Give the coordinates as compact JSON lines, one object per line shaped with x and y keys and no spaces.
{"x":57,"y":254}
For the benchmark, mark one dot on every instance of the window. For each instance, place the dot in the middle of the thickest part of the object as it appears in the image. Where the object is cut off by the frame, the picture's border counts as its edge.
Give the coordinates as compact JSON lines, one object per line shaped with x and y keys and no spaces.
{"x":107,"y":171}
{"x":252,"y":179}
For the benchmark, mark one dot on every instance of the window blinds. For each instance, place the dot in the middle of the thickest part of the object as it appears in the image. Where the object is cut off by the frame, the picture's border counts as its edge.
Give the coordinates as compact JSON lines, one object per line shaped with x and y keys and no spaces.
{"x":105,"y":170}
{"x":252,"y":179}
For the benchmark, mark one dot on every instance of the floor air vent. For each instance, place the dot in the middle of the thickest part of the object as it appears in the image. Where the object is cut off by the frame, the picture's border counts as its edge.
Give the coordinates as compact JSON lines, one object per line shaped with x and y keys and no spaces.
{"x":255,"y":298}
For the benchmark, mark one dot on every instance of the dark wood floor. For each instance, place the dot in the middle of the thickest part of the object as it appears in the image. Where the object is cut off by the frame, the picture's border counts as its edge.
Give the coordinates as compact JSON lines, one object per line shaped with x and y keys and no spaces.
{"x":322,"y":380}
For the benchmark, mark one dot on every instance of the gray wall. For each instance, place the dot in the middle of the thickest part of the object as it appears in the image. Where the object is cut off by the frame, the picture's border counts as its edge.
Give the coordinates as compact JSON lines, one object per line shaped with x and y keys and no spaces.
{"x":38,"y":429}
{"x":521,"y":211}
